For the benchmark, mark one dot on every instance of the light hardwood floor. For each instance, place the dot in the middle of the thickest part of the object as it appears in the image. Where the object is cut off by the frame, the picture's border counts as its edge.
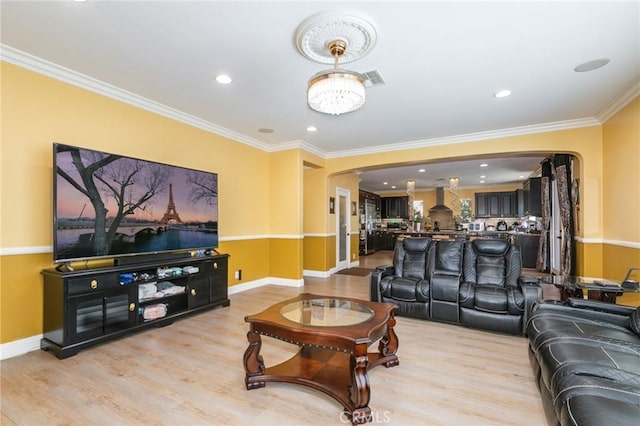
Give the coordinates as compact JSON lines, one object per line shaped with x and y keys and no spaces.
{"x":191,"y":373}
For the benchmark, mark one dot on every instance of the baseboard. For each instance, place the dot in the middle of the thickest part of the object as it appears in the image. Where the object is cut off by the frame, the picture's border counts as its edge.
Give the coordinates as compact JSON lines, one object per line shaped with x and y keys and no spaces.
{"x":327,"y":274}
{"x":19,"y":347}
{"x":316,"y":274}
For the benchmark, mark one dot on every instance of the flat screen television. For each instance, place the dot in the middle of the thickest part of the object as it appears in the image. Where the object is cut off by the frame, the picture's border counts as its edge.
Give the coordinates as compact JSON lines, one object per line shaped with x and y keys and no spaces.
{"x":113,"y":206}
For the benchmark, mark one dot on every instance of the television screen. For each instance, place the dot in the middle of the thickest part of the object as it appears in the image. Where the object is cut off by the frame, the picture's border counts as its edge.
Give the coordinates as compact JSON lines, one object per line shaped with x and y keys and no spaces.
{"x":108,"y":205}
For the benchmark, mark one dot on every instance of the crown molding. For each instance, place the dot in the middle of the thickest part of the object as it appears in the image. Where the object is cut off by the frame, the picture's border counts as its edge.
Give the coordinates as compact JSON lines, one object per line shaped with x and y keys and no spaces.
{"x":50,"y":69}
{"x":620,"y":101}
{"x":58,"y":72}
{"x":471,"y":137}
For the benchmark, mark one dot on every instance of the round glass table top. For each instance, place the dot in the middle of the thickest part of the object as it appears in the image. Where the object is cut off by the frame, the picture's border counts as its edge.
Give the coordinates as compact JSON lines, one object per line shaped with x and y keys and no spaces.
{"x":326,"y":312}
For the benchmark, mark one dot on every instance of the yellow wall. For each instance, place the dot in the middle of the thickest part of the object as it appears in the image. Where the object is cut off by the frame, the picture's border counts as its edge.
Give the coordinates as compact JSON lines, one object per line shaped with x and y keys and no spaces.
{"x":37,"y":111}
{"x":621,"y":198}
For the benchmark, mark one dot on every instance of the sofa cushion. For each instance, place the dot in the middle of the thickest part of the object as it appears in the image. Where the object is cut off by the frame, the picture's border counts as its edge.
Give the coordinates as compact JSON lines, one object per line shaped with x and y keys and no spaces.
{"x":494,"y":299}
{"x":410,"y":258}
{"x":405,"y":289}
{"x":634,"y":321}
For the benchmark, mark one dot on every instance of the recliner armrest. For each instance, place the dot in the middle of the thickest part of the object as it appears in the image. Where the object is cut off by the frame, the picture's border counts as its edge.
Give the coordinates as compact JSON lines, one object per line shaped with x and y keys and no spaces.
{"x":532,"y":293}
{"x":376,"y":276}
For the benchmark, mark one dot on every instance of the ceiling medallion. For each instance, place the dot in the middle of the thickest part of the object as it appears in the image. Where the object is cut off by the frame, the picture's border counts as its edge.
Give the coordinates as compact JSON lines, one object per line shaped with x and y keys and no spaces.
{"x":315,"y":33}
{"x":330,"y":38}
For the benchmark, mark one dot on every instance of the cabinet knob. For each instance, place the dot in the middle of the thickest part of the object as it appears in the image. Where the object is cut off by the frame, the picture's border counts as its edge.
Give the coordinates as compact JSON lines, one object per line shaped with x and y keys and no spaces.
{"x":132,"y":307}
{"x":193,"y":291}
{"x":215,"y":265}
{"x":94,"y":284}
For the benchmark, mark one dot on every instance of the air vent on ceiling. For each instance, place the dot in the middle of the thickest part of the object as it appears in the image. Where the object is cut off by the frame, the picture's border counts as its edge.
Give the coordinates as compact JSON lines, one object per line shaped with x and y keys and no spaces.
{"x":372,"y":78}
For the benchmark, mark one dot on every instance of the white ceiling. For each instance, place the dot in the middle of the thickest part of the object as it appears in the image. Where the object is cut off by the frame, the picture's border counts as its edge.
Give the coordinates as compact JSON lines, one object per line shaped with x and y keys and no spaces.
{"x":441,"y":61}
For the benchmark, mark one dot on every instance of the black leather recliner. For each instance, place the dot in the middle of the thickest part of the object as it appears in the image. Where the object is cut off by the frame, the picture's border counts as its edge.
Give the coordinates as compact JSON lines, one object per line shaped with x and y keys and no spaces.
{"x":586,"y":360}
{"x":476,"y":284}
{"x":492,"y":293}
{"x":404,"y":282}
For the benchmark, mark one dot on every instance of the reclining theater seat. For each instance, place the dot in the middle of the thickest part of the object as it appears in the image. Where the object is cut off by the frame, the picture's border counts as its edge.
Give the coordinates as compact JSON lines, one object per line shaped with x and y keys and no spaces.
{"x":404,"y":282}
{"x":476,"y":284}
{"x":492,"y":293}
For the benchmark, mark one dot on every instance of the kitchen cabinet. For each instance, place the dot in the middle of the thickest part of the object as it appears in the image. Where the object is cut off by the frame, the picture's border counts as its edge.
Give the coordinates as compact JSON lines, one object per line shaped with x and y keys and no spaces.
{"x":531,"y":204}
{"x":495,"y":204}
{"x":529,"y":244}
{"x":395,"y":207}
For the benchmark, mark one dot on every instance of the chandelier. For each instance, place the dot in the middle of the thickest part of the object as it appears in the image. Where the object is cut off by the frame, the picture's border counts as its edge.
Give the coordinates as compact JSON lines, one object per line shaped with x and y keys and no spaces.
{"x":336,"y":91}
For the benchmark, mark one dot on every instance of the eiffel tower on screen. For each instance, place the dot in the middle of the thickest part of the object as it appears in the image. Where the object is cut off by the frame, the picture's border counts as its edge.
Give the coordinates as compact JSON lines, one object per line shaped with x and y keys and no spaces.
{"x":171,"y":214}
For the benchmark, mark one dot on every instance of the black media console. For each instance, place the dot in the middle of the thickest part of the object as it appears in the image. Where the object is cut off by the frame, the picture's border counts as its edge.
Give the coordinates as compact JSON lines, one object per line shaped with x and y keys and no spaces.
{"x":87,"y":307}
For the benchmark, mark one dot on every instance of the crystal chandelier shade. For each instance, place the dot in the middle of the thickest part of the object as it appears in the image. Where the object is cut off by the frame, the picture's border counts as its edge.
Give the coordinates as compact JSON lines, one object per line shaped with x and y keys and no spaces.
{"x":336,"y":91}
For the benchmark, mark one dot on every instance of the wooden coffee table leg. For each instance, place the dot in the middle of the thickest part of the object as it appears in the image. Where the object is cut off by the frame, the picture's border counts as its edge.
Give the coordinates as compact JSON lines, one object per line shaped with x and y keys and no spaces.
{"x":253,"y":362}
{"x":359,"y":389}
{"x":388,"y":345}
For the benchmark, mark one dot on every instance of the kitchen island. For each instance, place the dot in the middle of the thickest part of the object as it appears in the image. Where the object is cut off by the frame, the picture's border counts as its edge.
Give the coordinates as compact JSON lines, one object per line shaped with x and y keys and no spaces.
{"x":528,"y":242}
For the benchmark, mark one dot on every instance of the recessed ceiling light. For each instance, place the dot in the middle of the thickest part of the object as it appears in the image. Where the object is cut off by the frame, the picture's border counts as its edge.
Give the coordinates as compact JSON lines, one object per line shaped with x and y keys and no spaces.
{"x":393,"y":187}
{"x":312,"y":129}
{"x":422,"y":170}
{"x":502,"y":93}
{"x":483,"y":165}
{"x":521,"y":177}
{"x":223,"y":79}
{"x":265,"y":130}
{"x":591,"y":65}
{"x":482,"y":176}
{"x":385,"y":183}
{"x":481,"y":181}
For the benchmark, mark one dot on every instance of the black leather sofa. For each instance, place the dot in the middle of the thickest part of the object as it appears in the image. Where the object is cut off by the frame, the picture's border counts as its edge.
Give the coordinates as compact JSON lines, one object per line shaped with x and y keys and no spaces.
{"x":586,"y":359}
{"x":476,"y":284}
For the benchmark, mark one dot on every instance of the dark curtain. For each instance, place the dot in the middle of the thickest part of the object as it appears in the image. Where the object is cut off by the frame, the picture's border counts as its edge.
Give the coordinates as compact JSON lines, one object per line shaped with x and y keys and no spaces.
{"x":544,"y":253}
{"x":562,"y":163}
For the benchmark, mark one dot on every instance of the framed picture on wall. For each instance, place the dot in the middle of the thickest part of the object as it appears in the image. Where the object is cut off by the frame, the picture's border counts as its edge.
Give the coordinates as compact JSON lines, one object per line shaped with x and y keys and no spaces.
{"x":332,"y":205}
{"x":354,"y":208}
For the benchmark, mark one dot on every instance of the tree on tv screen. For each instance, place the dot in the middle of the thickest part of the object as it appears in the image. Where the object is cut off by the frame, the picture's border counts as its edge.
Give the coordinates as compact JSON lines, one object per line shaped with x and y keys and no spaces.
{"x":130,"y":183}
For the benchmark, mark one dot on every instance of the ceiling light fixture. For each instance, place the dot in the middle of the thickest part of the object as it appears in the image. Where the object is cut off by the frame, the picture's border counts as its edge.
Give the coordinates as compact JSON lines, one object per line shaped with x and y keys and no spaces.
{"x":483,"y":165}
{"x":312,"y":129}
{"x":223,"y":79}
{"x":502,"y":93}
{"x":336,"y":91}
{"x":422,"y":170}
{"x":336,"y":39}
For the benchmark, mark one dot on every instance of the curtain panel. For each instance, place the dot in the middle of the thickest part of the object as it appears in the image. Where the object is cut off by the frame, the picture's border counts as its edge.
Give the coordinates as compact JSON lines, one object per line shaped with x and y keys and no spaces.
{"x":562,"y":163}
{"x":544,"y":253}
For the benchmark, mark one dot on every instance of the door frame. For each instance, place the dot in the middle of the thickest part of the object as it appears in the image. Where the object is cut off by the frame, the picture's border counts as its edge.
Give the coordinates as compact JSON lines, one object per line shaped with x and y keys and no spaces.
{"x":340,"y":211}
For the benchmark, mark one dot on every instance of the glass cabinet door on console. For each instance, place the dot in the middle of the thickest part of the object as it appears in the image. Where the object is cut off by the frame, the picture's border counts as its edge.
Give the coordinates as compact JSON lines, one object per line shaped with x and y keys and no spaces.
{"x":93,"y":315}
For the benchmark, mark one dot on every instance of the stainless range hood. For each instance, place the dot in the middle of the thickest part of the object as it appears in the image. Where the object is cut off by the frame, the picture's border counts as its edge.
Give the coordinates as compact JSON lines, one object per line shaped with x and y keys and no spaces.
{"x":441,"y":213}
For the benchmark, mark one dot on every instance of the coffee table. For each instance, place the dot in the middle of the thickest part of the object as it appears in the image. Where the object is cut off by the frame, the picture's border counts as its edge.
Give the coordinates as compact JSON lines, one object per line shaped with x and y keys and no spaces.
{"x":585,"y":287}
{"x":334,"y":334}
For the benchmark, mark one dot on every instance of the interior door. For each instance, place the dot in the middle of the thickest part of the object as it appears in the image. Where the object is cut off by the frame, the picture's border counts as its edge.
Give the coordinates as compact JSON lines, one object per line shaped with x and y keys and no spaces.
{"x":343,"y":246}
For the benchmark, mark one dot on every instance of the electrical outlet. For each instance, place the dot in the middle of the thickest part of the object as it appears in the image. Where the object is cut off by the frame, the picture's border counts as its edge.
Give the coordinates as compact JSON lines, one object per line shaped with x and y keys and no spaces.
{"x":239,"y":274}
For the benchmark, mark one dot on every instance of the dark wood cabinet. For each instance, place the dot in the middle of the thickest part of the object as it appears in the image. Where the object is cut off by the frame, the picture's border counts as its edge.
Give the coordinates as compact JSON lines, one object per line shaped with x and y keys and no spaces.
{"x":495,"y":204}
{"x":529,"y":244}
{"x":532,"y":197}
{"x":86,"y":307}
{"x":395,"y":207}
